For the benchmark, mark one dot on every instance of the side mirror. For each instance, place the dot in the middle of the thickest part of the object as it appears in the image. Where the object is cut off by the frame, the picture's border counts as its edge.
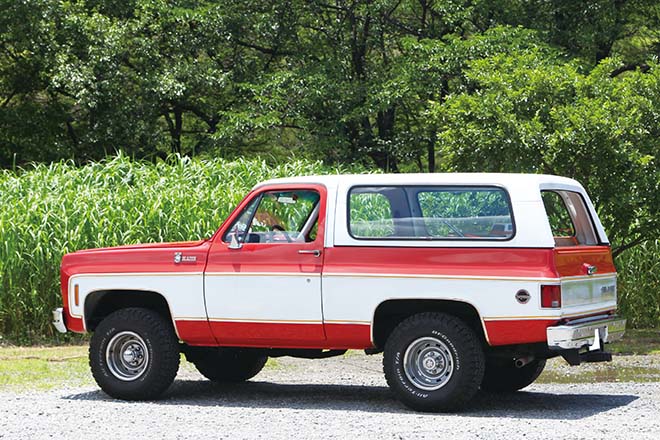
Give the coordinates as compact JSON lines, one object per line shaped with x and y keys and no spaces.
{"x":234,"y":243}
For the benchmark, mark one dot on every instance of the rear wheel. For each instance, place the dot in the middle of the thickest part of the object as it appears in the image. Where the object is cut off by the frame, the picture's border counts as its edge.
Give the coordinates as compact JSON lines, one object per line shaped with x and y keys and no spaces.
{"x":223,"y":364}
{"x":134,"y":354}
{"x":433,"y":362}
{"x":502,"y":376}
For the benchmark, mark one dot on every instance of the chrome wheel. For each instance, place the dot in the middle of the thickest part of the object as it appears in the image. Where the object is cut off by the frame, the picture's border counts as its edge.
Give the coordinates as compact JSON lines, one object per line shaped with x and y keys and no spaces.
{"x":127,"y":356}
{"x":428,"y":363}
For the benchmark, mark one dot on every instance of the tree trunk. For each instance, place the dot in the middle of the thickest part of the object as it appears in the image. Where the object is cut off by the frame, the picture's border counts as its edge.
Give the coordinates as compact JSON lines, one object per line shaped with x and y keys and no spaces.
{"x":431,"y":151}
{"x":384,"y":158}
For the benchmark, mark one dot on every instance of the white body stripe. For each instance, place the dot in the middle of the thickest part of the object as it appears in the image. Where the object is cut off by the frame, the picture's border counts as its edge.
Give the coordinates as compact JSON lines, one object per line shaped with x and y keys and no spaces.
{"x":347,"y":298}
{"x":356,"y":298}
{"x":183,"y":291}
{"x":293,"y":297}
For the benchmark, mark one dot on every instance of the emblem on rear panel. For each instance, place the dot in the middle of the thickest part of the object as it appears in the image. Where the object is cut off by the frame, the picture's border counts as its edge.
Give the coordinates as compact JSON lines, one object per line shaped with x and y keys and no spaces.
{"x":523,"y":296}
{"x":177,"y":257}
{"x":590,"y":269}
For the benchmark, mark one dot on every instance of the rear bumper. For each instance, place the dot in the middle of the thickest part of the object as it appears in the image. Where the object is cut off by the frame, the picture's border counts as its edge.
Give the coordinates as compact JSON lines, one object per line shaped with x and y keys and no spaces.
{"x":58,"y":320}
{"x":587,"y":332}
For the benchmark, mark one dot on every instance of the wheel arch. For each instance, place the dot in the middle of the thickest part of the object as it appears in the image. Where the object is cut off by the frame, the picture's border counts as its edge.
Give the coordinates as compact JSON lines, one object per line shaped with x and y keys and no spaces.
{"x":391,"y":312}
{"x":101,"y":303}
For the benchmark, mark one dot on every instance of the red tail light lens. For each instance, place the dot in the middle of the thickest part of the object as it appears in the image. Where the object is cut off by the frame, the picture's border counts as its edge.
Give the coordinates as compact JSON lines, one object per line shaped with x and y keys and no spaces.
{"x":551,"y":297}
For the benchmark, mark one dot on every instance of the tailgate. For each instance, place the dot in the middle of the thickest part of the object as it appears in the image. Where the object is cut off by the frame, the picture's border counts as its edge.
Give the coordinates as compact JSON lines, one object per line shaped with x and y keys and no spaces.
{"x":588,"y":279}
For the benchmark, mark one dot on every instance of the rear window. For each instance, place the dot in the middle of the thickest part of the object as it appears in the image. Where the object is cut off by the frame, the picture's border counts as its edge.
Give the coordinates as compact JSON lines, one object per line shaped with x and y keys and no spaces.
{"x":569,"y":218}
{"x":430,"y":213}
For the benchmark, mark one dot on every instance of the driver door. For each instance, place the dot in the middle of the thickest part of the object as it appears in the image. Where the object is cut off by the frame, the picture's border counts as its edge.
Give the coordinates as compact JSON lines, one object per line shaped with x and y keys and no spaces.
{"x":263,"y":276}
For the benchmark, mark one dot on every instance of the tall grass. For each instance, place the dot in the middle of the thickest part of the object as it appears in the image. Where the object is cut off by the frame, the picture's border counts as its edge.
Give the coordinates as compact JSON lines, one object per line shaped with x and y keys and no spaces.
{"x":639,"y":285}
{"x":49,"y":210}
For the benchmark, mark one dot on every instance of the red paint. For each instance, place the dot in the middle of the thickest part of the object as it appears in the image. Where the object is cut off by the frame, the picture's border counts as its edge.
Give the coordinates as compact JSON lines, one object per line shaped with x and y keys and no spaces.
{"x":72,"y":324}
{"x":195,"y":332}
{"x":289,"y":335}
{"x":267,"y":334}
{"x":477,"y":262}
{"x":154,"y":258}
{"x":573,"y":260}
{"x":352,"y":336}
{"x":265,"y":257}
{"x":518,"y":331}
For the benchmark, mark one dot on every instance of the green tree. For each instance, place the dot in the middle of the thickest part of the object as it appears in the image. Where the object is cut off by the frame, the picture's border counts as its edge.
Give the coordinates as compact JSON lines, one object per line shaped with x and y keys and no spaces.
{"x":536,"y":111}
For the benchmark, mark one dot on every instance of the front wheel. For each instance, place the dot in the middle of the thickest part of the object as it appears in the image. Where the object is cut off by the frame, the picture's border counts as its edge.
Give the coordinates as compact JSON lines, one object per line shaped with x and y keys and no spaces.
{"x":134,"y":354}
{"x":433,"y":362}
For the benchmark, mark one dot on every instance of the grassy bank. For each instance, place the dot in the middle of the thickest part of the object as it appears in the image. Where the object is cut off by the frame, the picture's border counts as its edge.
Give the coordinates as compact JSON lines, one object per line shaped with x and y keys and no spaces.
{"x":49,"y":210}
{"x":639,"y":285}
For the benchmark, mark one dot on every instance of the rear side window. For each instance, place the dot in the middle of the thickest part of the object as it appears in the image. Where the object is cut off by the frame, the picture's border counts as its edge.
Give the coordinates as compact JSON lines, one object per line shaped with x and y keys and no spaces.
{"x":430,"y":213}
{"x":466,"y":213}
{"x":560,"y":221}
{"x":569,"y":219}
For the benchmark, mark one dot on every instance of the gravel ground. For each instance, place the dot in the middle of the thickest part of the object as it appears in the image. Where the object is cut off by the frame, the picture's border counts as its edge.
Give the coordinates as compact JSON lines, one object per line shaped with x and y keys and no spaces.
{"x":333,"y":398}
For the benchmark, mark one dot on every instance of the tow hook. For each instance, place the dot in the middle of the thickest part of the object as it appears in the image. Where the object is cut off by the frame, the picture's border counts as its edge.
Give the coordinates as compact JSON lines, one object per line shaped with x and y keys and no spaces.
{"x":522,"y":361}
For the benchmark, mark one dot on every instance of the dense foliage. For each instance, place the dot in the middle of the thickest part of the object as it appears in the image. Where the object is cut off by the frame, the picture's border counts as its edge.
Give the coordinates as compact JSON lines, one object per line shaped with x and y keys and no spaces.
{"x":344,"y":80}
{"x":49,"y":210}
{"x":639,"y":285}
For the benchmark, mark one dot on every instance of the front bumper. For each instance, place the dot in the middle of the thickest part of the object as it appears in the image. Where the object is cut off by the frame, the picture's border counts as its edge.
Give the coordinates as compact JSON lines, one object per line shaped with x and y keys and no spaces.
{"x":58,"y":320}
{"x":589,"y":332}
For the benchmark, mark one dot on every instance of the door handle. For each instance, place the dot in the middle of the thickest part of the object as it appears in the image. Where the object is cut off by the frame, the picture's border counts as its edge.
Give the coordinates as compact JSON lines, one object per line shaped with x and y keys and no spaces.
{"x":315,"y":252}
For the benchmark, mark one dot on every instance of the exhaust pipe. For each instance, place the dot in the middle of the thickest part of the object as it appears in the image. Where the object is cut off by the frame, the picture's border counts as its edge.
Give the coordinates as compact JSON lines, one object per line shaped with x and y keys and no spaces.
{"x":521,"y":362}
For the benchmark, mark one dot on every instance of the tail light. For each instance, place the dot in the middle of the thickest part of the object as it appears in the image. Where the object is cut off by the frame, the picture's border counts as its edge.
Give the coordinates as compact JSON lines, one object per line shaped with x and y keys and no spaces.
{"x":551,"y":297}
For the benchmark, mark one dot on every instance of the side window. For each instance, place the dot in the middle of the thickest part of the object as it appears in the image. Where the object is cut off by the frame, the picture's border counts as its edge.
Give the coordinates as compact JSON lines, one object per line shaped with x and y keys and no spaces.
{"x":466,"y":213}
{"x":569,"y":219}
{"x":278,"y":217}
{"x":429,"y":213}
{"x":370,"y":214}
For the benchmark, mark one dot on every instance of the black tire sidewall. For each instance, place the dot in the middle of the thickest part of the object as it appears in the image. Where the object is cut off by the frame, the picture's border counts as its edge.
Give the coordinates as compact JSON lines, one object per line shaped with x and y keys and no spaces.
{"x":151,"y":383}
{"x":220,"y":364}
{"x":505,"y":377}
{"x":460,"y":387}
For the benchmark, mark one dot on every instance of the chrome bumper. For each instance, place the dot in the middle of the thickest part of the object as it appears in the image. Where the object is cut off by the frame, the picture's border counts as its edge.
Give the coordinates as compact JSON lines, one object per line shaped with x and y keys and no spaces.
{"x":58,"y":320}
{"x":586,"y":332}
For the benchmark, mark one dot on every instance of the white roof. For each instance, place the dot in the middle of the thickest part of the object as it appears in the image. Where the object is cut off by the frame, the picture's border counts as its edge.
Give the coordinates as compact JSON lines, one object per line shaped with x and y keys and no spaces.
{"x":525,"y":186}
{"x":524,"y":191}
{"x":429,"y":178}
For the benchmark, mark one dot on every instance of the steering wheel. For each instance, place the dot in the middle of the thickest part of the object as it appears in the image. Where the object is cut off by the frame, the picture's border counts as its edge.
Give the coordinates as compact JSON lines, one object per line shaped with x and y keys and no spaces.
{"x":278,"y":228}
